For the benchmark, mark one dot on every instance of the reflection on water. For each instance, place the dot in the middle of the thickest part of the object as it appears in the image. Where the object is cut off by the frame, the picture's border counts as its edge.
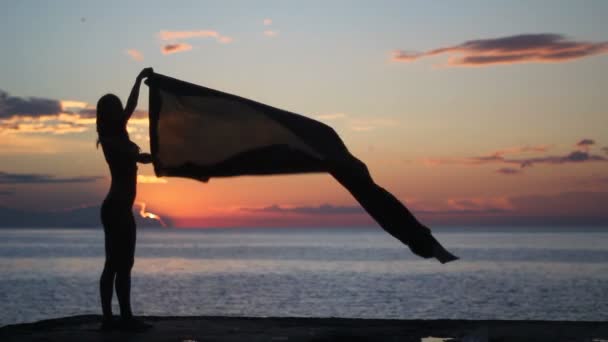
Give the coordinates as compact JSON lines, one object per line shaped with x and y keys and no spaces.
{"x":343,"y":273}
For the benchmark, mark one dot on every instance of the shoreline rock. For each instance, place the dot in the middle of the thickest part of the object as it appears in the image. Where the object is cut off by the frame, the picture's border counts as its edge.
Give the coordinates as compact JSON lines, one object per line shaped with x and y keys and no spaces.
{"x":250,"y":329}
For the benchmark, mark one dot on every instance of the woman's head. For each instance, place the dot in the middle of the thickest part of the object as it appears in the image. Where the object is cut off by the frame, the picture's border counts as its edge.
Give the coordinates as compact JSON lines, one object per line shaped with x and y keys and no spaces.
{"x":111,"y":119}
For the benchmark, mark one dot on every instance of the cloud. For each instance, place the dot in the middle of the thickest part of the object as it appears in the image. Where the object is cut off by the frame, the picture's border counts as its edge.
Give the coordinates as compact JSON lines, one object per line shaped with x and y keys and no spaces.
{"x":135,"y":55}
{"x":7,"y":192}
{"x":330,"y":116}
{"x":358,"y":124}
{"x":572,"y":157}
{"x":271,"y":33}
{"x":267,"y":22}
{"x":35,"y":178}
{"x":585,"y":142}
{"x":499,"y":157}
{"x":523,"y":48}
{"x":365,"y":125}
{"x":323,"y":209}
{"x":605,"y":149}
{"x":509,"y":171}
{"x":476,"y":205}
{"x":49,"y":116}
{"x":14,"y":105}
{"x":143,"y":179}
{"x":61,"y":123}
{"x":39,"y":115}
{"x":496,"y":156}
{"x":175,"y":48}
{"x":179,"y":35}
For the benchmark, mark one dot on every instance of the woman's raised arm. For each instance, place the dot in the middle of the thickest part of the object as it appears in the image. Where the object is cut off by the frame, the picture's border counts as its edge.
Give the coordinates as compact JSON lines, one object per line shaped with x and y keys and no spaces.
{"x":132,"y":101}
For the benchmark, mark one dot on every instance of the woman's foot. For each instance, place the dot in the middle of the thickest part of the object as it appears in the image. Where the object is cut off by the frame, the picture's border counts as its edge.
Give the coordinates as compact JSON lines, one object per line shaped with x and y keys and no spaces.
{"x":133,"y":325}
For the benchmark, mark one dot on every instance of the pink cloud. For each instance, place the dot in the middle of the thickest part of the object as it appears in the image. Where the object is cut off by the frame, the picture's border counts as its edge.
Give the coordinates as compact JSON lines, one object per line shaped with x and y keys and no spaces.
{"x":267,"y":22}
{"x":178,"y":35}
{"x":524,"y":48}
{"x":135,"y":55}
{"x":175,"y":48}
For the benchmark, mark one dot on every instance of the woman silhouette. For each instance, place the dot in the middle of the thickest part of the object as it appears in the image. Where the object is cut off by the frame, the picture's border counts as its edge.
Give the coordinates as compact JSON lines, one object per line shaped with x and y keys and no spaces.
{"x":117,"y":218}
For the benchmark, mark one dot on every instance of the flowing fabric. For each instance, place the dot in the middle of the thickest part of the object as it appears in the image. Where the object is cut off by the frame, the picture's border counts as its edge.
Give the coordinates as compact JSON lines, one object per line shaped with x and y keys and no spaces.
{"x":199,"y":133}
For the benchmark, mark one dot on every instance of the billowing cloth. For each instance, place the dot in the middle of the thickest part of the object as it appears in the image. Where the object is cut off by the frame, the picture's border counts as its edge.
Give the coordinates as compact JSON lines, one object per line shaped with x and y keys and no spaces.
{"x":199,"y":133}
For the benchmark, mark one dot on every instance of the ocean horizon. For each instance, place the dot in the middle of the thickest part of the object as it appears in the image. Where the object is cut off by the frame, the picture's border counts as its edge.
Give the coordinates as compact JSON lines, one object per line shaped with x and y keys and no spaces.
{"x":542,"y":272}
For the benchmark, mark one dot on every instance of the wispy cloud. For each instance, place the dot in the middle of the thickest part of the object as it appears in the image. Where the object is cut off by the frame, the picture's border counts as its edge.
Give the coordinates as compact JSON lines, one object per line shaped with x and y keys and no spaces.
{"x":572,"y":157}
{"x":36,"y":178}
{"x":135,"y":55}
{"x":179,"y":35}
{"x":357,"y":124}
{"x":330,"y":116}
{"x":175,"y":48}
{"x":498,"y":157}
{"x":365,"y":125}
{"x":523,"y":48}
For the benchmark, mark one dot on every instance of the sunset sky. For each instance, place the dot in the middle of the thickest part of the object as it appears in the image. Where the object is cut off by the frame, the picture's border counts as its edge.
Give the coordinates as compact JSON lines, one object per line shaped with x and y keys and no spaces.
{"x":471,"y":112}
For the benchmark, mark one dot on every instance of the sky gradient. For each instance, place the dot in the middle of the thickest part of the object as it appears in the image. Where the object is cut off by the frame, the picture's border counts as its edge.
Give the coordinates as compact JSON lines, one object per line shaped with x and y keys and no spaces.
{"x":480,"y":113}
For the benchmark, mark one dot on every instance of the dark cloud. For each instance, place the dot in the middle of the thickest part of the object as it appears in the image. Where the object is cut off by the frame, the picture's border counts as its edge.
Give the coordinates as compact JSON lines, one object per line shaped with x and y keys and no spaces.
{"x":523,"y":48}
{"x":498,"y":157}
{"x":7,"y":192}
{"x":585,"y":142}
{"x":34,"y":178}
{"x":33,"y":106}
{"x":509,"y":171}
{"x":40,"y":115}
{"x":175,"y":48}
{"x":572,"y":157}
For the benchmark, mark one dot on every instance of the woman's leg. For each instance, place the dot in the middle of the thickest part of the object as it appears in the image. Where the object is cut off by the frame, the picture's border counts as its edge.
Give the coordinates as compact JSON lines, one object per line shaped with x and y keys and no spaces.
{"x":123,"y":292}
{"x":106,"y":281}
{"x":125,"y":264}
{"x":106,"y":288}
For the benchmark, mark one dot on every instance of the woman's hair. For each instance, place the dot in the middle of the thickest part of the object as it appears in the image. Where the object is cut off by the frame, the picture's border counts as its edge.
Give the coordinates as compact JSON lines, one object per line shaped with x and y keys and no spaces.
{"x":111,"y":121}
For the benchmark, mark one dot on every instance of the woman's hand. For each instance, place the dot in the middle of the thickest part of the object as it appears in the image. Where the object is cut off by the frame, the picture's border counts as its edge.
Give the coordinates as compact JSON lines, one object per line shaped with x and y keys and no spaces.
{"x":145,"y":158}
{"x":145,"y":73}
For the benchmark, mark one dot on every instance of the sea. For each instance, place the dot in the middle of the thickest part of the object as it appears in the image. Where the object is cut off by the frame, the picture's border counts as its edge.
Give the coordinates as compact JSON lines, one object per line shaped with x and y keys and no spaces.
{"x":523,"y":273}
